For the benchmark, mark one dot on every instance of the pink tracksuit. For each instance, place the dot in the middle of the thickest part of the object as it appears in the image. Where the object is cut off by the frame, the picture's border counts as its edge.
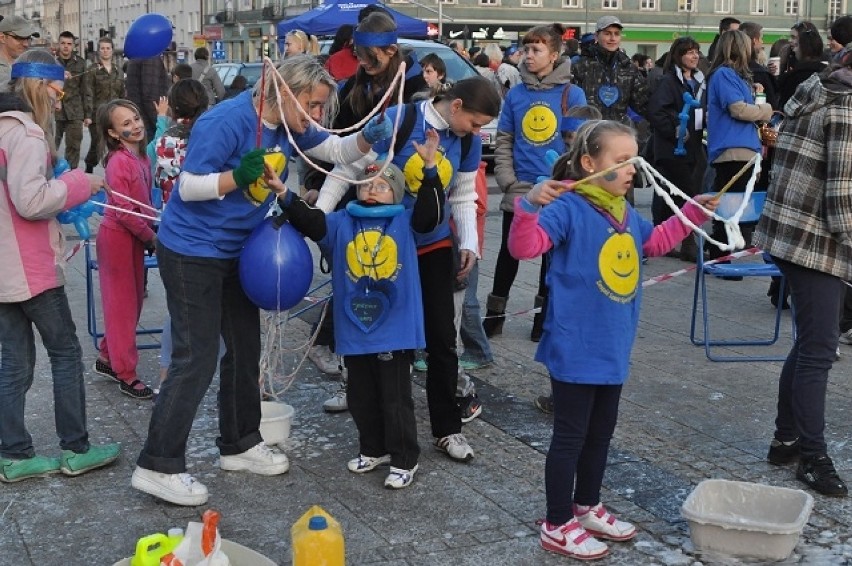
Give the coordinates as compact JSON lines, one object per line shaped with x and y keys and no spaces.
{"x":121,"y":247}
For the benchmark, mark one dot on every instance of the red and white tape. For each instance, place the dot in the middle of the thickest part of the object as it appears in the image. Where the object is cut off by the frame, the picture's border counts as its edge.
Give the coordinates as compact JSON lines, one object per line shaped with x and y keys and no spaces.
{"x":679,"y":272}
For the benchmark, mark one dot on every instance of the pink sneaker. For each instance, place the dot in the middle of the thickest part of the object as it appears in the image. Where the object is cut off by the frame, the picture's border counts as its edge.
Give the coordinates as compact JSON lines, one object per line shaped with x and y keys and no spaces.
{"x":571,"y":539}
{"x":602,"y":524}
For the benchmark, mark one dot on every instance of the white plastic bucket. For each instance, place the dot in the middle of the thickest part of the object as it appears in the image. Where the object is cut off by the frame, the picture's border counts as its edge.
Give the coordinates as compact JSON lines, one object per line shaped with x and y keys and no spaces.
{"x":275,"y":421}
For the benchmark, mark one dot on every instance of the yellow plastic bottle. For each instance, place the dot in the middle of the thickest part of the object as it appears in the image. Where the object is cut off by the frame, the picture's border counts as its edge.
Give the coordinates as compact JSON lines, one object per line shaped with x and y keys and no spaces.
{"x":317,"y":540}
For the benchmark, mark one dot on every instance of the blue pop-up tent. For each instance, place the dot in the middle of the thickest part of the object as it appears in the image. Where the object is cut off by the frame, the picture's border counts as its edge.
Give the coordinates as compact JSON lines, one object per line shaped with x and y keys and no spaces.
{"x":327,"y":18}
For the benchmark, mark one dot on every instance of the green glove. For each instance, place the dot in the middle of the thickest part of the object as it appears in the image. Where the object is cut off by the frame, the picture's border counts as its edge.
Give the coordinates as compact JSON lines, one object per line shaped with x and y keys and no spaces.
{"x":250,"y":167}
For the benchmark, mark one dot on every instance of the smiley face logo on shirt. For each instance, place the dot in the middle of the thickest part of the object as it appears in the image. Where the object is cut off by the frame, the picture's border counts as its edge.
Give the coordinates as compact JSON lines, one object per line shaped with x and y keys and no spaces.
{"x":539,"y":124}
{"x":258,"y":191}
{"x":618,"y":264}
{"x":372,"y":254}
{"x":413,"y":171}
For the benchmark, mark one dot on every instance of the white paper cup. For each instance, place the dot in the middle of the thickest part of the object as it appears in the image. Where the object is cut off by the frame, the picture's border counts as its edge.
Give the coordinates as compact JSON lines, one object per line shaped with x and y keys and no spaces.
{"x":776,"y":61}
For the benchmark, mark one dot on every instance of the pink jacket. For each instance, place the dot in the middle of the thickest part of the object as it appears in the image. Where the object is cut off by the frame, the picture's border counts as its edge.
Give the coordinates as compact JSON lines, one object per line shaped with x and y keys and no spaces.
{"x":131,"y":176}
{"x":31,"y":241}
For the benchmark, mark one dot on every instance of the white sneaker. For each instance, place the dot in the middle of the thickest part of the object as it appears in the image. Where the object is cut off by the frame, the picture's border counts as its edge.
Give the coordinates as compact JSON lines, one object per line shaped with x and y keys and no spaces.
{"x":261,"y":460}
{"x":846,"y":337}
{"x":571,"y":539}
{"x":456,"y":447}
{"x":337,"y":402}
{"x":326,"y":361}
{"x":399,"y":478}
{"x":363,"y":464}
{"x":601,"y":523}
{"x":180,"y":489}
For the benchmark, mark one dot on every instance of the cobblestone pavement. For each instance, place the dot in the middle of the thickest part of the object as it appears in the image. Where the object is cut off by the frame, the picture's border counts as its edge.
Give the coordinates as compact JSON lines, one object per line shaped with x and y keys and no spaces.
{"x":683,"y":419}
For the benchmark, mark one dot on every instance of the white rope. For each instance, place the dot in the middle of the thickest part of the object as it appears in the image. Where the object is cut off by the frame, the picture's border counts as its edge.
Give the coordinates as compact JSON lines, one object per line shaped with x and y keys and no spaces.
{"x":273,"y":382}
{"x":279,"y":82}
{"x":134,"y":201}
{"x":131,"y":212}
{"x":732,"y":229}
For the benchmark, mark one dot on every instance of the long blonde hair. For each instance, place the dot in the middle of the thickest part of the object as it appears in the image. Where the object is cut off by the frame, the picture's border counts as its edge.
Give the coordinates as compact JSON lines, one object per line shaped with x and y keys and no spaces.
{"x":301,"y":73}
{"x":734,"y":51}
{"x":34,"y":93}
{"x":309,"y":43}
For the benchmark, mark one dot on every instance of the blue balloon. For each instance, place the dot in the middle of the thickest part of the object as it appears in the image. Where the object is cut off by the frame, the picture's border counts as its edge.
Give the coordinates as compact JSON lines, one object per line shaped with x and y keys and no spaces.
{"x":60,"y":167}
{"x":79,"y":215}
{"x":148,"y":36}
{"x":276,"y":267}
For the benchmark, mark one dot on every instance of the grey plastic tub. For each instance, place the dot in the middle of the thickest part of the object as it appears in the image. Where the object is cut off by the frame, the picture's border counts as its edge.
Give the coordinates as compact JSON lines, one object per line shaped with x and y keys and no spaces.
{"x":746,"y":519}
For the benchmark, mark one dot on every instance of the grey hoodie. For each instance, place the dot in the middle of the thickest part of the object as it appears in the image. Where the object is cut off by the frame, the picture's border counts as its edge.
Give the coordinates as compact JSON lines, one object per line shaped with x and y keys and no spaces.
{"x":504,"y":166}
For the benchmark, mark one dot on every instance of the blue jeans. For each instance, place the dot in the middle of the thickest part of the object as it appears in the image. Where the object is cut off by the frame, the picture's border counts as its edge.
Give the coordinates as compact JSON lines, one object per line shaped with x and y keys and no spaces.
{"x":205,"y":301}
{"x":50,"y":314}
{"x":584,"y":418}
{"x":817,"y":298}
{"x":476,"y":346}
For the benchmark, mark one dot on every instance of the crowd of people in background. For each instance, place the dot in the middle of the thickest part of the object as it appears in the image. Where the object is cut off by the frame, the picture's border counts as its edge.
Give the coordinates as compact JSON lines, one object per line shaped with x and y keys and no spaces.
{"x":178,"y":129}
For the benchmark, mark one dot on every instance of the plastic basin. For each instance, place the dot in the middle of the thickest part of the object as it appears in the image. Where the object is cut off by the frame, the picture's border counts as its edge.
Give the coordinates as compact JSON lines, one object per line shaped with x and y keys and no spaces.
{"x":746,"y":519}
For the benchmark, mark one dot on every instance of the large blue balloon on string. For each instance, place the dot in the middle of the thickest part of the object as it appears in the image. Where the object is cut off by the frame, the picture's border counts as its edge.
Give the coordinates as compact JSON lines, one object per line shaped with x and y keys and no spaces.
{"x":148,"y":36}
{"x":276,"y":267}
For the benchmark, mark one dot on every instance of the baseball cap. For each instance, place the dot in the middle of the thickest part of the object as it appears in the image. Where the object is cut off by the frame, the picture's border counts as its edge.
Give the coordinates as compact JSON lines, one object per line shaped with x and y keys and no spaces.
{"x":16,"y":25}
{"x":511,"y":50}
{"x":607,"y":21}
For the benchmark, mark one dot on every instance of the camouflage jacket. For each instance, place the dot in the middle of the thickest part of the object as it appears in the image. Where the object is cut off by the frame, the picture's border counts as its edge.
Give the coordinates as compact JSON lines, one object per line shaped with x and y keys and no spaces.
{"x":76,"y":105}
{"x":611,"y":83}
{"x":103,"y":86}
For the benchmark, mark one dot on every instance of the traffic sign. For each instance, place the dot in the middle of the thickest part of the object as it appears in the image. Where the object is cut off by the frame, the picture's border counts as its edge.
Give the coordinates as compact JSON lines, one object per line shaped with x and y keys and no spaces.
{"x":218,"y":46}
{"x":218,"y":55}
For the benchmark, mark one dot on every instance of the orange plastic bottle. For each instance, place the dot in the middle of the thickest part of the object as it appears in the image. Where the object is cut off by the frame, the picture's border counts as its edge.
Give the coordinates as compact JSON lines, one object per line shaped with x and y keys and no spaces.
{"x":317,"y":540}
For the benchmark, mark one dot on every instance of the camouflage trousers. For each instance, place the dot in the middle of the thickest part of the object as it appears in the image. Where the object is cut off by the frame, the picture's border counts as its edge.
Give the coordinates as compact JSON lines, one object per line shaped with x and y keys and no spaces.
{"x":73,"y":132}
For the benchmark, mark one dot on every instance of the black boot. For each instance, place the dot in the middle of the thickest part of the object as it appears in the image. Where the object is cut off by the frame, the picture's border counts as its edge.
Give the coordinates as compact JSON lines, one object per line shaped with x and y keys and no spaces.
{"x":495,"y":310}
{"x":774,"y":293}
{"x":689,"y":249}
{"x":538,"y":320}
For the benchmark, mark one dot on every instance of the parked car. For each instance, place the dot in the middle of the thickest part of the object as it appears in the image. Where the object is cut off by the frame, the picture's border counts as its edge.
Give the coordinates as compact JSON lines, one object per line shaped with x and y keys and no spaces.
{"x":229,"y":71}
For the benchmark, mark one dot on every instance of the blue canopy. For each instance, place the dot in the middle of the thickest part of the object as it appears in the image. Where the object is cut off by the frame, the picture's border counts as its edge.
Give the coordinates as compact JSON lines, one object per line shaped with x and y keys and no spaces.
{"x":327,"y":18}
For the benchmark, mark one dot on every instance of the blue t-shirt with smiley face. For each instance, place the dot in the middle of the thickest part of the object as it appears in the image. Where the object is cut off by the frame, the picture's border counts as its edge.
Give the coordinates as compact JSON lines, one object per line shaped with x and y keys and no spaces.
{"x":219,"y":228}
{"x":534,"y":118}
{"x":595,"y":285}
{"x":449,"y":163}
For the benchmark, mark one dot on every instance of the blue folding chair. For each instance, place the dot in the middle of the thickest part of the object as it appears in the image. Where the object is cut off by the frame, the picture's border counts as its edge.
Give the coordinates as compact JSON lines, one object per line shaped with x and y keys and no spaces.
{"x":728,"y":204}
{"x":92,"y":313}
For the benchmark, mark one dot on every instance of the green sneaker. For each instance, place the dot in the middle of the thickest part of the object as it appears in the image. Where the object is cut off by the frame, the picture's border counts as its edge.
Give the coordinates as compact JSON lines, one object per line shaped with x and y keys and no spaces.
{"x":35,"y":467}
{"x":471,"y":365}
{"x":420,"y":365}
{"x":74,"y":464}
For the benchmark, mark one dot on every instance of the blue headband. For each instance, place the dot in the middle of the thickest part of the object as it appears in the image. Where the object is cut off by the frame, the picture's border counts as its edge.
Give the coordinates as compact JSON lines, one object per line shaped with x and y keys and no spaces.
{"x":48,"y":71}
{"x":373,"y":39}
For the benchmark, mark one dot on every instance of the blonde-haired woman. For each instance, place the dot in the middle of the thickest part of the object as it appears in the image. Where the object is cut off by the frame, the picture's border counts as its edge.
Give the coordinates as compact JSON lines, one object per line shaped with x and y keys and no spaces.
{"x":298,"y":42}
{"x":212,"y":211}
{"x":32,"y":289}
{"x":732,"y":138}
